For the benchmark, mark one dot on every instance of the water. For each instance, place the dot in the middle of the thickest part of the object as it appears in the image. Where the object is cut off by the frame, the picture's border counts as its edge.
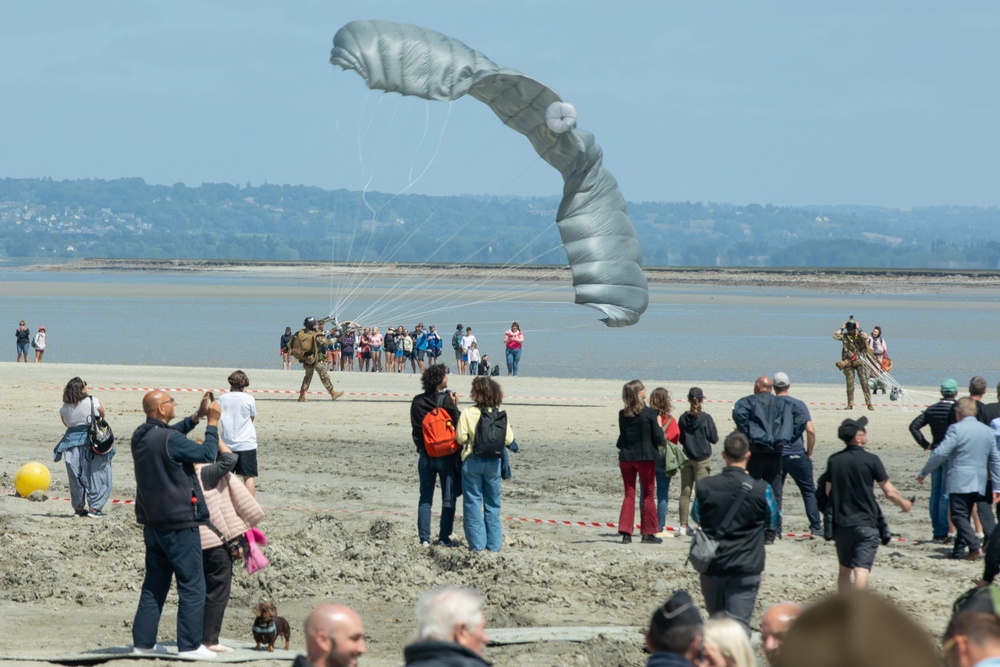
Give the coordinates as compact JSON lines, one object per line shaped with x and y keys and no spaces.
{"x":690,"y":333}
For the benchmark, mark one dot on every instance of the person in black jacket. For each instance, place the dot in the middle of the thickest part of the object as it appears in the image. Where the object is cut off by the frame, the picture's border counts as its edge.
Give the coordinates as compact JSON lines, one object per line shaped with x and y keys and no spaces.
{"x":639,"y":439}
{"x":768,"y":422}
{"x":448,"y":469}
{"x":938,"y":417}
{"x":451,"y":630}
{"x":730,"y":585}
{"x":170,"y":506}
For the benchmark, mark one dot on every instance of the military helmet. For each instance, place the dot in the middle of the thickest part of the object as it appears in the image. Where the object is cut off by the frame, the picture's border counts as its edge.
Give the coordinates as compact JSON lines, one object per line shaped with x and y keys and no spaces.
{"x":309,"y":323}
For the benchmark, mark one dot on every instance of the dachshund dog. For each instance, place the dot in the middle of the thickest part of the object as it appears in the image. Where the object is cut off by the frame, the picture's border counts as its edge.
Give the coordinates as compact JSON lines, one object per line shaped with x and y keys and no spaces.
{"x":268,"y":626}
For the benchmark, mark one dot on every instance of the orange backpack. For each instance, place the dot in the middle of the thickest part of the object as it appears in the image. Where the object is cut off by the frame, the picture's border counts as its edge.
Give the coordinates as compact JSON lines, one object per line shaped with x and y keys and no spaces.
{"x":439,"y":431}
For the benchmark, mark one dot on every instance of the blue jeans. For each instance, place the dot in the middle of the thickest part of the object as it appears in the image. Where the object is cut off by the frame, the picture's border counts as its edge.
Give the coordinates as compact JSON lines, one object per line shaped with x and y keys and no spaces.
{"x":662,"y":496}
{"x":170,"y":552}
{"x":481,"y":503}
{"x":430,"y":469}
{"x":801,"y":469}
{"x":939,"y":500}
{"x":513,"y":359}
{"x":473,"y":368}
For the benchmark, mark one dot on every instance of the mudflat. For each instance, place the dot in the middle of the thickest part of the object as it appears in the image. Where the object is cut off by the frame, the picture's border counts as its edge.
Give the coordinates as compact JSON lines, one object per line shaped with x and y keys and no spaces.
{"x":339,"y":483}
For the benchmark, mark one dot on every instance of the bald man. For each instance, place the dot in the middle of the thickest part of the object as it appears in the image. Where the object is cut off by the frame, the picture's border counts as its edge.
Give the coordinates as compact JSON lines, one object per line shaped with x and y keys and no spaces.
{"x":170,"y":506}
{"x":768,"y":422}
{"x":774,"y":626}
{"x":335,"y":637}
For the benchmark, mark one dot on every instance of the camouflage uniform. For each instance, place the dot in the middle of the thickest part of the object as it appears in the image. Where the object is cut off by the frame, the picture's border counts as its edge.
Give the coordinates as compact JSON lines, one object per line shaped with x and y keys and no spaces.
{"x":856,"y":345}
{"x":313,"y":342}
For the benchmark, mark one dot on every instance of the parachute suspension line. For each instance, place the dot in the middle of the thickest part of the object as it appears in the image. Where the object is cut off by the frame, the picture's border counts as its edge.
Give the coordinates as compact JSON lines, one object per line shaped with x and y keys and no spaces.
{"x":411,"y":182}
{"x":878,"y":374}
{"x":428,"y":281}
{"x":450,"y":295}
{"x":384,"y":300}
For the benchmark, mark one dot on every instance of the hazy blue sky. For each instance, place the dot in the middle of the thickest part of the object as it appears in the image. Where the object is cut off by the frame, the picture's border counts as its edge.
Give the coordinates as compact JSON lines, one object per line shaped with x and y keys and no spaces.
{"x":892,"y":103}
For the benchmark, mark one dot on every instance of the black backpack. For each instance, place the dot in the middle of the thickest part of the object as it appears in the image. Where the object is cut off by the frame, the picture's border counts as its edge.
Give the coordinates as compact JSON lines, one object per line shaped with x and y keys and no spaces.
{"x":491,"y":433}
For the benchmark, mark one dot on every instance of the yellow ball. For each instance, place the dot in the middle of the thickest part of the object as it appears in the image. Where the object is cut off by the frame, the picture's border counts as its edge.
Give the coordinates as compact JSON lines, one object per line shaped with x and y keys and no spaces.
{"x":31,"y":477}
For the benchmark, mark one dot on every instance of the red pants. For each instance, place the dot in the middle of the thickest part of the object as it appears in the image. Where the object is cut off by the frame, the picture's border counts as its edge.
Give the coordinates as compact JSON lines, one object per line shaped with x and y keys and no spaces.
{"x":647,"y":474}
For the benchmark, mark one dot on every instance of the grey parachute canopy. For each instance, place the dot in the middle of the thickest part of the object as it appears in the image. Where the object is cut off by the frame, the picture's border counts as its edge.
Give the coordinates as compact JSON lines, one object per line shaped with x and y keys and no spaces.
{"x":600,"y":242}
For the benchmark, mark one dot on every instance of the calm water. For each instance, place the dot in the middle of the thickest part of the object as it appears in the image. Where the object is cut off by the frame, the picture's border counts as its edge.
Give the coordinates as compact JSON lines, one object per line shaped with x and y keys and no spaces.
{"x":689,"y":333}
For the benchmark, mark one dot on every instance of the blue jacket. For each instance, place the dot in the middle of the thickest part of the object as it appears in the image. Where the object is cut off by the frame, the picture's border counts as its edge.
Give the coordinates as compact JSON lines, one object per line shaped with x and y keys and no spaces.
{"x":970,"y":449}
{"x":768,"y":421}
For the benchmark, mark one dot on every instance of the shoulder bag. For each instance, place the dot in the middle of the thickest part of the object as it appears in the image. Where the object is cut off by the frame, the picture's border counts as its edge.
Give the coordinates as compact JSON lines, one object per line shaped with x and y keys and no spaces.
{"x":101,"y":437}
{"x":703,"y":545}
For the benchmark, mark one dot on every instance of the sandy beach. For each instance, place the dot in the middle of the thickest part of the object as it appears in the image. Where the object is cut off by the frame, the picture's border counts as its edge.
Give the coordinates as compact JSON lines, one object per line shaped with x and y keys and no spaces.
{"x":339,"y":482}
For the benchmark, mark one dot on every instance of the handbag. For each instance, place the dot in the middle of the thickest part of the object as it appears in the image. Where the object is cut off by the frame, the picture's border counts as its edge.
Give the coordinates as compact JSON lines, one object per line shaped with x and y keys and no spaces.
{"x":102,"y":439}
{"x":705,"y":546}
{"x":237,"y":547}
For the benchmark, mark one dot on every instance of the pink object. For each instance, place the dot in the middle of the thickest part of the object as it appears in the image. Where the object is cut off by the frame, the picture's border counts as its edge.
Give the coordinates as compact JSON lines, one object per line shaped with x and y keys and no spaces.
{"x":255,"y":558}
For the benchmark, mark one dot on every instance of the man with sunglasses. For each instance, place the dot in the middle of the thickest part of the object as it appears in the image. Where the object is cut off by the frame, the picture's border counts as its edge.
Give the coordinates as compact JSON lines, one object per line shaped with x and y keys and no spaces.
{"x":170,"y":506}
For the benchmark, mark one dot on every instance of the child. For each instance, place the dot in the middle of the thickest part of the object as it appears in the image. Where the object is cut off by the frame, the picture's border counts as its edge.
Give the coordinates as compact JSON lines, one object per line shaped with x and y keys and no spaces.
{"x":474,"y":359}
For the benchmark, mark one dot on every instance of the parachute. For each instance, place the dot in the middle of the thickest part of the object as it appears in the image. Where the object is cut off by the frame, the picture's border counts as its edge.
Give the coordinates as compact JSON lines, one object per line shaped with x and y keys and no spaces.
{"x":603,"y":251}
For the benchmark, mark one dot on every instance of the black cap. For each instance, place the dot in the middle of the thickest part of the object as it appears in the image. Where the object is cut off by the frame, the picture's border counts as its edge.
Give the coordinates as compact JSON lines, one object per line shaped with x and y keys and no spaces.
{"x":458,"y":328}
{"x":678,"y":611}
{"x":850,"y":427}
{"x":695,"y":392}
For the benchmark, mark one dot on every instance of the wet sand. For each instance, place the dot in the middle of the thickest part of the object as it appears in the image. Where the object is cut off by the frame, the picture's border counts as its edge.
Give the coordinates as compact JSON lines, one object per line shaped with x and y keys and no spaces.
{"x":339,"y":482}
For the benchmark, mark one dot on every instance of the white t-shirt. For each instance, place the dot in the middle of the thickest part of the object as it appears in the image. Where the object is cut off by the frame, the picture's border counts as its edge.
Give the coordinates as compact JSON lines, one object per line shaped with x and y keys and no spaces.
{"x":474,"y":354}
{"x":76,"y":415}
{"x":467,"y":342}
{"x":235,"y":427}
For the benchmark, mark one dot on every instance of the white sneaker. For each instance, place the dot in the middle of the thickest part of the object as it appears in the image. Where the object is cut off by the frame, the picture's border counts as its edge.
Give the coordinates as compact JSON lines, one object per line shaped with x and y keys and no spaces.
{"x":220,"y":648}
{"x":200,"y":653}
{"x":158,"y":649}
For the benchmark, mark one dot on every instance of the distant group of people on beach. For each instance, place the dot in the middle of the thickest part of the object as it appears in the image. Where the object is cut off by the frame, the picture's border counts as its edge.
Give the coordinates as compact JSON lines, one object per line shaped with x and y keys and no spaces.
{"x":339,"y":348}
{"x":24,"y":342}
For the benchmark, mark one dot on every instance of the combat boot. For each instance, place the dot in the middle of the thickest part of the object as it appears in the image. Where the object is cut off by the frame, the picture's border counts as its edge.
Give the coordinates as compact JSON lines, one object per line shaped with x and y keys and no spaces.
{"x":334,"y":395}
{"x":302,"y":397}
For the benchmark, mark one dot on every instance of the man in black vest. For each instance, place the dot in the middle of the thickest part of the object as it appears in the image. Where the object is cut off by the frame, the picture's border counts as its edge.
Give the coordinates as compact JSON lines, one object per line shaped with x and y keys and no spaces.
{"x":170,"y":506}
{"x":731,"y":582}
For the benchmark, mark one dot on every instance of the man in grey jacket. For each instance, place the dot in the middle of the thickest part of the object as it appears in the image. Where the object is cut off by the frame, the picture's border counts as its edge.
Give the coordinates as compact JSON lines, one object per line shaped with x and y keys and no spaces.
{"x":970,"y":450}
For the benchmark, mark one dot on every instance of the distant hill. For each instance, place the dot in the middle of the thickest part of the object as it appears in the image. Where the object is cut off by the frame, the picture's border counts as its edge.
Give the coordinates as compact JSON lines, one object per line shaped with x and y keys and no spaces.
{"x":42,"y":219}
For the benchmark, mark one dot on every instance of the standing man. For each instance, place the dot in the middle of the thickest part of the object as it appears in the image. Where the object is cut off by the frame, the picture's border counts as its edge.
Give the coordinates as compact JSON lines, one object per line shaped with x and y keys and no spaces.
{"x":796,"y":460}
{"x":774,"y":625}
{"x":730,"y":585}
{"x":306,"y":346}
{"x":335,"y":637}
{"x":972,"y":640}
{"x":434,"y":346}
{"x":170,"y":506}
{"x":938,"y":417}
{"x":992,"y":410}
{"x":977,"y":389}
{"x":675,"y":637}
{"x":451,"y":630}
{"x":856,"y":348}
{"x":420,"y":345}
{"x":768,"y":422}
{"x":852,"y":472}
{"x":970,"y":450}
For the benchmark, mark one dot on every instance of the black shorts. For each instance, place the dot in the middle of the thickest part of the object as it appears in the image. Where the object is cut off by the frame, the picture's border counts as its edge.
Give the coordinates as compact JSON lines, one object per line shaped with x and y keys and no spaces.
{"x":856,"y":546}
{"x":246,"y":463}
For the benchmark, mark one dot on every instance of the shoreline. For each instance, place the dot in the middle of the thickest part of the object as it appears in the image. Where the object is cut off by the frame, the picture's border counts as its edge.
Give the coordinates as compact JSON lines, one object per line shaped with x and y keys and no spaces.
{"x":841,"y":280}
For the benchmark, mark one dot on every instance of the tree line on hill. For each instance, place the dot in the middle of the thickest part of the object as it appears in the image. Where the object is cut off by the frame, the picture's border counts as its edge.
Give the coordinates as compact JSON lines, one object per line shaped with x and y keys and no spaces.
{"x":47,"y":220}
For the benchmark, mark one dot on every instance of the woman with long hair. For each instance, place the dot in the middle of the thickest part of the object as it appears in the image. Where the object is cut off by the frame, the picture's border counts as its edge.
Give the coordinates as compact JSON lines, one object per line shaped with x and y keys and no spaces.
{"x":481,"y":472}
{"x":639,"y":438}
{"x":377,"y":341}
{"x":89,"y":472}
{"x":881,"y":350}
{"x":513,"y":340}
{"x":698,"y":434}
{"x":659,"y":400}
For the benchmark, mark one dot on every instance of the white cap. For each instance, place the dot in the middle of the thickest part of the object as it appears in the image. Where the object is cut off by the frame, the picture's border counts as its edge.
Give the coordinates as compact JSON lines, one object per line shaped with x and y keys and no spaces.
{"x":781,"y":381}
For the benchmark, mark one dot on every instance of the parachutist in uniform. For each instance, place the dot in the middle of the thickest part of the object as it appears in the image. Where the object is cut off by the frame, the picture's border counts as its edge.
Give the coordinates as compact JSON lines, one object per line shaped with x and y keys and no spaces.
{"x":856,"y":347}
{"x":305,"y":346}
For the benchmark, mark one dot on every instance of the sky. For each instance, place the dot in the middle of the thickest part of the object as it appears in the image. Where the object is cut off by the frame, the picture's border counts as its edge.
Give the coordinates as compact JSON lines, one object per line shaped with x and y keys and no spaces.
{"x":894,"y":103}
